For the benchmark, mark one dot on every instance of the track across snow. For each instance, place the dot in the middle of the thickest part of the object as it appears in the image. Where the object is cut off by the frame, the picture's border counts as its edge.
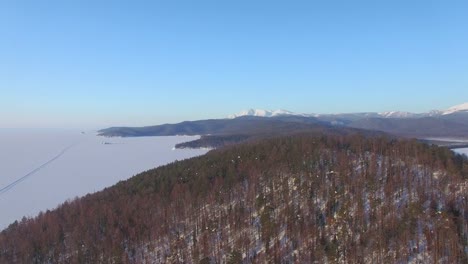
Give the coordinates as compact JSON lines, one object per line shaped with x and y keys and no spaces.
{"x":38,"y":172}
{"x":19,"y":180}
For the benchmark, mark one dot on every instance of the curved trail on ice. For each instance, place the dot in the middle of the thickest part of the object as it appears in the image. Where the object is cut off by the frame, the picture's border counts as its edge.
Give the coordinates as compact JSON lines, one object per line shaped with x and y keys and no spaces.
{"x":19,"y":180}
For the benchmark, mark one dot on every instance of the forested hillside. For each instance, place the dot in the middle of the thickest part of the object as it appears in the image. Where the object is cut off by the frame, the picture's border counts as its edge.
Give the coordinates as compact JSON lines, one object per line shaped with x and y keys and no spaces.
{"x":292,"y":199}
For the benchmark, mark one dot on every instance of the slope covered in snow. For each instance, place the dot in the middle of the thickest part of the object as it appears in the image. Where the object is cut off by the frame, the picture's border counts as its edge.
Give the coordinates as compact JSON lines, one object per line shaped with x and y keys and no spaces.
{"x":457,"y":108}
{"x":398,"y":114}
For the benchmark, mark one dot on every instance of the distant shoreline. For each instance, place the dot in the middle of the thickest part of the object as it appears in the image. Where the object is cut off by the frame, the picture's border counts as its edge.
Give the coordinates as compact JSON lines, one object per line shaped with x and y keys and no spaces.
{"x":451,"y":143}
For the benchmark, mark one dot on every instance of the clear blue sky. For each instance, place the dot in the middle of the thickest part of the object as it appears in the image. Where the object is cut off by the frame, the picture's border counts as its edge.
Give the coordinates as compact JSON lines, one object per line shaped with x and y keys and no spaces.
{"x":100,"y":63}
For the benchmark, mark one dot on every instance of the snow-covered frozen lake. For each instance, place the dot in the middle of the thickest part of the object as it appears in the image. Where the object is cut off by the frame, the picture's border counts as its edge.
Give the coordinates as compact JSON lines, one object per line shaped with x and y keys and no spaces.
{"x":461,"y":151}
{"x":40,"y":169}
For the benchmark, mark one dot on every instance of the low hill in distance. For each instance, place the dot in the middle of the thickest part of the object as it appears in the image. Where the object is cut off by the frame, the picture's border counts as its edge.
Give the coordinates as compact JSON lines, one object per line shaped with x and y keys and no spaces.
{"x":219,"y":132}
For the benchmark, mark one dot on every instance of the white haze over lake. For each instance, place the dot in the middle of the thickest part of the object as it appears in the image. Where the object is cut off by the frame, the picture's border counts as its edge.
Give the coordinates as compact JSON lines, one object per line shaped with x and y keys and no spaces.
{"x":40,"y":169}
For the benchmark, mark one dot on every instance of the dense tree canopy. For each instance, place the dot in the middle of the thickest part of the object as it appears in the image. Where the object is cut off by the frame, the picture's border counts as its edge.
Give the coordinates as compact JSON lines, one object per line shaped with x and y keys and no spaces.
{"x":303,"y":198}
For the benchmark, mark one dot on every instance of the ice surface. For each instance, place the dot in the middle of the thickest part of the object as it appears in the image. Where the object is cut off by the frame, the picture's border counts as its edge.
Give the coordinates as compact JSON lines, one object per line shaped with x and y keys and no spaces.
{"x":88,"y":163}
{"x":461,"y":151}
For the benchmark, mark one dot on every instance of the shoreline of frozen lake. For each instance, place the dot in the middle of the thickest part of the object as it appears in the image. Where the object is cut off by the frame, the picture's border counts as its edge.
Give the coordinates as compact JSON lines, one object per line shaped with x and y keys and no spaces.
{"x":57,"y":165}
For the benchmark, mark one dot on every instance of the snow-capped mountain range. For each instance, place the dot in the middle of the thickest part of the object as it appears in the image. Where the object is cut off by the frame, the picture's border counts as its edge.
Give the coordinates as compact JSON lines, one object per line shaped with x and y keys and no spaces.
{"x":449,"y":123}
{"x":265,"y":113}
{"x":461,"y":108}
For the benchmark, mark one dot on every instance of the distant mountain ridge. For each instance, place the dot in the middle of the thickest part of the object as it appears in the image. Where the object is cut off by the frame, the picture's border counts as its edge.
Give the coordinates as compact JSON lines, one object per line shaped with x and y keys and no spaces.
{"x":389,"y":114}
{"x":265,"y":113}
{"x":220,"y":132}
{"x":256,"y":123}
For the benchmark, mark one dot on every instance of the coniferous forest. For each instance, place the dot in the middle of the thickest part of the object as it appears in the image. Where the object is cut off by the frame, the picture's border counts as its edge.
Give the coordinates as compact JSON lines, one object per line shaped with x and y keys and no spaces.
{"x":307,"y":198}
